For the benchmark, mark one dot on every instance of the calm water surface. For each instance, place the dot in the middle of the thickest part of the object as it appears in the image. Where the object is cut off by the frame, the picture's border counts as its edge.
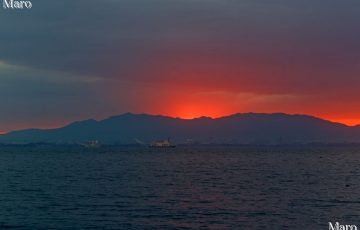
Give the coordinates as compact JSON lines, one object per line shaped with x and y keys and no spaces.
{"x":183,"y":188}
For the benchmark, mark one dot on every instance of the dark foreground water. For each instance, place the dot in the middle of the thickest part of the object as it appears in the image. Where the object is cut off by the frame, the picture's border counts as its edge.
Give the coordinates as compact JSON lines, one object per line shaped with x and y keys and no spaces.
{"x":183,"y":188}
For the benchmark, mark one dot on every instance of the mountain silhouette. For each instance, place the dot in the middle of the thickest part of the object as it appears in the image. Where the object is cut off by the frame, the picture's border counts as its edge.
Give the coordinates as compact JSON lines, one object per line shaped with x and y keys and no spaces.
{"x":246,"y":128}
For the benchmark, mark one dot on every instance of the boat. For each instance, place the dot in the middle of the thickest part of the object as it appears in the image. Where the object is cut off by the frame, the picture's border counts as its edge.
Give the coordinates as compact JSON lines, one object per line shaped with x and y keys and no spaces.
{"x":91,"y":144}
{"x":162,"y":144}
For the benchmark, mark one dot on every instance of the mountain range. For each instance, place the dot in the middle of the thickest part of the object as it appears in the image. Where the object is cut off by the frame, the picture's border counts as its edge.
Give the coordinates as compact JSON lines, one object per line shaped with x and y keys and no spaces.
{"x":245,"y":128}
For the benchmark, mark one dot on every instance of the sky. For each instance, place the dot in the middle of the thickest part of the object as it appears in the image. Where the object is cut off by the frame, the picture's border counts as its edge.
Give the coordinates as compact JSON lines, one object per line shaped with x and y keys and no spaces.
{"x":66,"y":60}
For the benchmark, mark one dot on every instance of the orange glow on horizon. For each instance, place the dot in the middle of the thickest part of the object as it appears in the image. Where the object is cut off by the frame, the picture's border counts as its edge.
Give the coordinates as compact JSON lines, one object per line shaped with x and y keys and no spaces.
{"x":191,"y":108}
{"x":191,"y":112}
{"x":349,"y":122}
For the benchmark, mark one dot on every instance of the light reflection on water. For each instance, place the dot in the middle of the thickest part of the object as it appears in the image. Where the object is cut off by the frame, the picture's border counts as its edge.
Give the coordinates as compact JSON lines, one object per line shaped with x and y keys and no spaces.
{"x":182,"y":188}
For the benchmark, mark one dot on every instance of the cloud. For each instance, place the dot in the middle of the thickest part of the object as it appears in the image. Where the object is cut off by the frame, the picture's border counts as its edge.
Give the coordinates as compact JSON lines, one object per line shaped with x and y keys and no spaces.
{"x":113,"y":39}
{"x":43,"y":97}
{"x":12,"y":71}
{"x":66,"y":60}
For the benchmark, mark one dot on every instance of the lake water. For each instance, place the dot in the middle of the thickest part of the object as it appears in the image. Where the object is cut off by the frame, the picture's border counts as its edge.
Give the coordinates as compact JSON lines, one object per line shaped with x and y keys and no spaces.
{"x":182,"y":188}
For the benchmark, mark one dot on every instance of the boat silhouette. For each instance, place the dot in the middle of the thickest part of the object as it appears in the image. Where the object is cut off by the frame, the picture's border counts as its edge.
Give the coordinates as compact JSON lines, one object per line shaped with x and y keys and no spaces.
{"x":162,"y":144}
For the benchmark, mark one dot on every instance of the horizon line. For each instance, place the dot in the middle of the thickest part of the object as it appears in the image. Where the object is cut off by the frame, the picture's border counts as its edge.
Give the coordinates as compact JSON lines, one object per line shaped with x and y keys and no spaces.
{"x":182,"y":118}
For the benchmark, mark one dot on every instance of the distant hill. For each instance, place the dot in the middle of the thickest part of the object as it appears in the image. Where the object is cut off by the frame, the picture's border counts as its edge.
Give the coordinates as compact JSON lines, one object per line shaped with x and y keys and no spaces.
{"x":248,"y":128}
